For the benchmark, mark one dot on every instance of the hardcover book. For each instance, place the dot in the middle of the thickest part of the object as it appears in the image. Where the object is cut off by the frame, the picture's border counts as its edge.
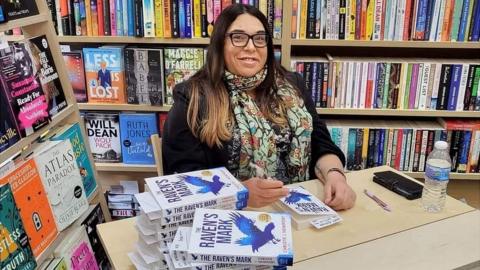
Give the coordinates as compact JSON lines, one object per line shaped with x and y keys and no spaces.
{"x":144,"y":72}
{"x":183,"y":193}
{"x":180,"y":64}
{"x":74,"y":134}
{"x":62,"y":181}
{"x":105,"y":74}
{"x":19,"y":9}
{"x":76,"y":74}
{"x":103,"y":131}
{"x":47,"y":73}
{"x":33,"y":205}
{"x":9,"y":134}
{"x":23,"y":89}
{"x":76,"y":250}
{"x":241,"y":237}
{"x":136,"y":129}
{"x":15,"y":252}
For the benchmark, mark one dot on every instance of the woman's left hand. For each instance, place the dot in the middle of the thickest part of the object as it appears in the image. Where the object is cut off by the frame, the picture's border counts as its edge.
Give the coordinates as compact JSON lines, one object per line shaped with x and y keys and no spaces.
{"x":338,"y":194}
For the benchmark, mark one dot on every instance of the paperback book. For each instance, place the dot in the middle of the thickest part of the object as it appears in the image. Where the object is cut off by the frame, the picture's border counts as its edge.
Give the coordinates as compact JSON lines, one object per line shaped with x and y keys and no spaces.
{"x":76,"y":74}
{"x":136,"y":129}
{"x":9,"y":134}
{"x":103,"y":131}
{"x":241,"y":237}
{"x":183,"y":193}
{"x":77,"y":251}
{"x":19,"y":9}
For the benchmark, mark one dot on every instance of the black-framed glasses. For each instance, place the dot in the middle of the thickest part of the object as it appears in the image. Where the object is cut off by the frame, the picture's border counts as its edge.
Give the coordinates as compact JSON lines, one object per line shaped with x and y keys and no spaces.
{"x":241,"y":39}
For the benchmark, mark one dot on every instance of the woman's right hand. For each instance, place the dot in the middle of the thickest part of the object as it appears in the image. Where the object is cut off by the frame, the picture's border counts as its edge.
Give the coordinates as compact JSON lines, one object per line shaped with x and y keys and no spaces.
{"x":262,"y":192}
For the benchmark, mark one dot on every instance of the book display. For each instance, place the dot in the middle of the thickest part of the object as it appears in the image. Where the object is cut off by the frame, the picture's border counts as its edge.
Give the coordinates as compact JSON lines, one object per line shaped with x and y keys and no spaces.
{"x":47,"y":175}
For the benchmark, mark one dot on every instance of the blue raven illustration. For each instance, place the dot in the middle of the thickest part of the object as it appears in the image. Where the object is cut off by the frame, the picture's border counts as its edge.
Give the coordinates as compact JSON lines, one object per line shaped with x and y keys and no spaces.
{"x":206,"y":186}
{"x":255,"y":237}
{"x":294,"y":197}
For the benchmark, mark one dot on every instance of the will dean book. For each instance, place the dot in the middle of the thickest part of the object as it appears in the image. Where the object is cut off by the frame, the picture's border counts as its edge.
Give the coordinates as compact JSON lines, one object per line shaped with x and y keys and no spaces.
{"x":103,"y":131}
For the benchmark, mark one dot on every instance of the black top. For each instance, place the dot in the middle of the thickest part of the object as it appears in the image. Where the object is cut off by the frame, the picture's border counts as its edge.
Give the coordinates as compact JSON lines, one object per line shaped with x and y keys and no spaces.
{"x":183,"y":152}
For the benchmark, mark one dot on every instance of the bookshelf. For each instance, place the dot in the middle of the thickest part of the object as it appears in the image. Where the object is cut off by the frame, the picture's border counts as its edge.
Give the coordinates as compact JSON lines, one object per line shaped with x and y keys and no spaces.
{"x":122,"y":167}
{"x":315,"y":47}
{"x":41,"y":25}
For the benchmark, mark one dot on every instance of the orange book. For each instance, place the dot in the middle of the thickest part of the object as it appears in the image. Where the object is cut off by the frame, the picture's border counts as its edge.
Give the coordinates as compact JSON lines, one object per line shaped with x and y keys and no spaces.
{"x":33,"y":205}
{"x":447,"y":20}
{"x":167,"y":25}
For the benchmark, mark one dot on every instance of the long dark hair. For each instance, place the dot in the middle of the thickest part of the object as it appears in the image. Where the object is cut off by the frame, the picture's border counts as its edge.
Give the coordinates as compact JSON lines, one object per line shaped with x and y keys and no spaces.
{"x":209,"y":119}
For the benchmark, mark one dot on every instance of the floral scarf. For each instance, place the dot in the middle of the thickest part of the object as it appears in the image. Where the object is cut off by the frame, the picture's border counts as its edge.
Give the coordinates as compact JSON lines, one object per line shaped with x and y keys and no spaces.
{"x":258,"y":143}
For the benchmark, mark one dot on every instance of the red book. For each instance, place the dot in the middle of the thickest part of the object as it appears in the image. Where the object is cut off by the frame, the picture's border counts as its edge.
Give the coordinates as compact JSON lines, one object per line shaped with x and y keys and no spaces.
{"x":101,"y":29}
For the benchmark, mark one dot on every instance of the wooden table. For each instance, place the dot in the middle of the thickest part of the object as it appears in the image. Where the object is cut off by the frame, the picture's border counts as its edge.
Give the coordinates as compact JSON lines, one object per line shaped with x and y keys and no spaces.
{"x":369,"y":237}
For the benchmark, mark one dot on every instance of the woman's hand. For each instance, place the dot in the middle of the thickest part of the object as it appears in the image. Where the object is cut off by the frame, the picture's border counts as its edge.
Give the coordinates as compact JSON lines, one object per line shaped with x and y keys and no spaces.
{"x":262,"y":192}
{"x":338,"y":194}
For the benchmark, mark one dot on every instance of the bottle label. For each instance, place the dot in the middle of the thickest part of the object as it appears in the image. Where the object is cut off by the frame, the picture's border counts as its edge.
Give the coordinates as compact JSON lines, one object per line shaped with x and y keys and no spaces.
{"x":437,"y":173}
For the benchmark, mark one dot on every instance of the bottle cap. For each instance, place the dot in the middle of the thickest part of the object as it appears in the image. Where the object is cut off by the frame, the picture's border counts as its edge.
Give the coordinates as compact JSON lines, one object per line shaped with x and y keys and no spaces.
{"x":441,"y":145}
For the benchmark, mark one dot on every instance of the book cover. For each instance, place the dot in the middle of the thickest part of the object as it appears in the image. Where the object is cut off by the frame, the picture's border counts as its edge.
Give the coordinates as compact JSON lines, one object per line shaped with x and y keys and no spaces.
{"x":144,"y":72}
{"x":15,"y":252}
{"x":62,"y":181}
{"x":9,"y":134}
{"x":180,"y":64}
{"x":136,"y":129}
{"x":76,"y":251}
{"x":105,"y":74}
{"x":180,"y":193}
{"x":74,"y":134}
{"x":33,"y":206}
{"x":76,"y":74}
{"x":302,"y":202}
{"x":47,"y":73}
{"x":103,"y":131}
{"x":23,"y":89}
{"x":241,"y":237}
{"x":19,"y":9}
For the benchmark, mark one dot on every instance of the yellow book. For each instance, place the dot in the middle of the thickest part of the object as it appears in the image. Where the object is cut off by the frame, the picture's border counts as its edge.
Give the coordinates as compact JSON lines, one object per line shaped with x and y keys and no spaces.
{"x":262,"y":6}
{"x":88,"y":18}
{"x":370,"y":18}
{"x":303,"y":20}
{"x":158,"y":18}
{"x":365,"y":148}
{"x":197,"y":19}
{"x":401,"y":90}
{"x":351,"y":20}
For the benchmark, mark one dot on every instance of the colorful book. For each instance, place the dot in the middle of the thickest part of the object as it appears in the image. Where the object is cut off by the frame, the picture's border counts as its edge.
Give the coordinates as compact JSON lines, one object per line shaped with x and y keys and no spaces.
{"x":74,"y":134}
{"x":77,"y":251}
{"x":19,"y":9}
{"x":180,"y":64}
{"x":47,"y":73}
{"x":33,"y":205}
{"x":182,"y":193}
{"x":15,"y":252}
{"x":62,"y":181}
{"x":76,"y":74}
{"x":241,"y":237}
{"x":104,"y":74}
{"x":9,"y":134}
{"x":136,"y":129}
{"x":103,"y":131}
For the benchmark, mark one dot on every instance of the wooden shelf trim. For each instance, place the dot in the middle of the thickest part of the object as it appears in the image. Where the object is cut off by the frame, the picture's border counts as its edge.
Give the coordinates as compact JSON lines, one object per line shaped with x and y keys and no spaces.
{"x":135,"y":40}
{"x":122,"y":107}
{"x":121,"y":167}
{"x":453,"y":176}
{"x":386,"y":44}
{"x":24,"y":22}
{"x":395,"y":112}
{"x":32,"y":137}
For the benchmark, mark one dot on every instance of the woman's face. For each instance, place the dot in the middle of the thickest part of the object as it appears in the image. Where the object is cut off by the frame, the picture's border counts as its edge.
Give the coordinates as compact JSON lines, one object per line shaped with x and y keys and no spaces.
{"x":250,"y":59}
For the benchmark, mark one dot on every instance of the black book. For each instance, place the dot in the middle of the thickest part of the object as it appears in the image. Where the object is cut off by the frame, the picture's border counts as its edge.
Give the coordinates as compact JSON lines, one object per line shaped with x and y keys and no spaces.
{"x":19,"y":8}
{"x":106,"y":17}
{"x":469,"y":86}
{"x":444,"y":87}
{"x":311,"y":11}
{"x":139,"y":18}
{"x":174,"y":19}
{"x":203,"y":18}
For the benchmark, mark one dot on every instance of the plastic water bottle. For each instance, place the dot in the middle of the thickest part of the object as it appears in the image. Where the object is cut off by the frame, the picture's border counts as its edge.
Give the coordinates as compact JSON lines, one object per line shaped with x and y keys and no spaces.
{"x":437,"y":172}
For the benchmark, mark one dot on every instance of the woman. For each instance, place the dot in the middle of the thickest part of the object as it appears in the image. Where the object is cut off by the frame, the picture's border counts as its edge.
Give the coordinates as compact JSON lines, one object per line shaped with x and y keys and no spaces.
{"x":242,"y":108}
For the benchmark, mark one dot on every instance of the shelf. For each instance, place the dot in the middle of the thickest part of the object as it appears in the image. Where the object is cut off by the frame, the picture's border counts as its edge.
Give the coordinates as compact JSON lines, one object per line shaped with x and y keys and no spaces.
{"x":24,"y":22}
{"x":394,"y":112}
{"x":142,"y":40}
{"x":385,"y":44}
{"x":121,"y":167}
{"x":122,"y":107}
{"x":17,"y":147}
{"x":453,"y":176}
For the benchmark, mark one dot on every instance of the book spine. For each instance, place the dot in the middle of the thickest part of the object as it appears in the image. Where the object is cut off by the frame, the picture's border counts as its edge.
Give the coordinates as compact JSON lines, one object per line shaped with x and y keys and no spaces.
{"x":119,"y":16}
{"x":113,"y":18}
{"x":106,"y":17}
{"x":463,"y":20}
{"x":454,"y":86}
{"x":131,"y":17}
{"x":462,"y":87}
{"x":468,"y":88}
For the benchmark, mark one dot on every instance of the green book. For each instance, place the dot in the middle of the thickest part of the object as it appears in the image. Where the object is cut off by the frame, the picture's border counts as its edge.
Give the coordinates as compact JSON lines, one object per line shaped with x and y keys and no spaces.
{"x":457,"y":13}
{"x":386,"y":85}
{"x":407,"y":86}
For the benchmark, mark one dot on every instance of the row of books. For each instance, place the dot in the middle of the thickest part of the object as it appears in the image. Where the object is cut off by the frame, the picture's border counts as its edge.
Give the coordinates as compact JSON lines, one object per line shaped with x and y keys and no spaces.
{"x":151,"y":18}
{"x":122,"y":137}
{"x":391,"y":84}
{"x":130,"y":75}
{"x":405,"y":145}
{"x":30,"y":89}
{"x":429,"y":20}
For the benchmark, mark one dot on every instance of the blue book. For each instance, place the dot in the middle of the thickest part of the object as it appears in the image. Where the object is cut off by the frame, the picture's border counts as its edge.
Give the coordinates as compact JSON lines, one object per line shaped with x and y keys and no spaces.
{"x":454,"y":87}
{"x":476,"y":23}
{"x":464,"y":152}
{"x":131,"y":17}
{"x":429,"y":18}
{"x":381,"y":145}
{"x":188,"y":18}
{"x":119,"y":17}
{"x":135,"y":132}
{"x":181,"y":17}
{"x":352,"y":137}
{"x":74,"y":134}
{"x":463,"y":21}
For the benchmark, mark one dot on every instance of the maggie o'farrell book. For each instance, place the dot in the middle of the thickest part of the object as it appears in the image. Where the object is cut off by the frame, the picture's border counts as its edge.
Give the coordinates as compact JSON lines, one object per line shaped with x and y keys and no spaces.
{"x":103,"y":131}
{"x":182,"y":193}
{"x":241,"y":237}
